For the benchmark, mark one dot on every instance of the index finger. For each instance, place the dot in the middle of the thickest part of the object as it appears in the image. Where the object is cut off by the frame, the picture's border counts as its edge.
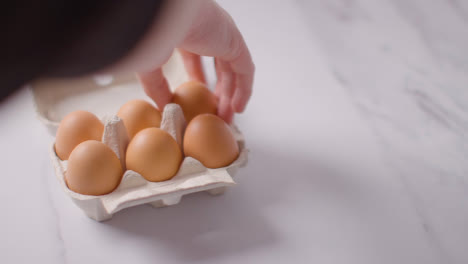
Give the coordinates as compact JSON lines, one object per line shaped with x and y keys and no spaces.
{"x":156,"y":87}
{"x":193,"y":65}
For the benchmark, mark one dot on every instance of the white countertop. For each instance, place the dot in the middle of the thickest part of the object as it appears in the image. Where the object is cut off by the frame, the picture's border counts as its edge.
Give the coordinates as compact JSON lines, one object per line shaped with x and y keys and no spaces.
{"x":358,"y":130}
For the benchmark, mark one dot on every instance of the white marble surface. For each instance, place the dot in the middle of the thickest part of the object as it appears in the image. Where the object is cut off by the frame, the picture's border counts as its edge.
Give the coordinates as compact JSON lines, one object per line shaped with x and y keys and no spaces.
{"x":358,"y":125}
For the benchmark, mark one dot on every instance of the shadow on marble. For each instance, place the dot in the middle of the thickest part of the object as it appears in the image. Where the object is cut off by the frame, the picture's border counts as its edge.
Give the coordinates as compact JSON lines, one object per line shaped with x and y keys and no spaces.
{"x":203,"y":227}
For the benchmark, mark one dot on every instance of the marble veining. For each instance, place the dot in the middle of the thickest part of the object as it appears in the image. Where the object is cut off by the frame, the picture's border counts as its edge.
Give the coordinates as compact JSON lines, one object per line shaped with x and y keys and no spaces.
{"x":397,"y":95}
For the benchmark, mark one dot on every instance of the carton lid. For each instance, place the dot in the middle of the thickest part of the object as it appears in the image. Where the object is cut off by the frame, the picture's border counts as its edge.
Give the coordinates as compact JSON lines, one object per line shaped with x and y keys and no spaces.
{"x":102,"y":95}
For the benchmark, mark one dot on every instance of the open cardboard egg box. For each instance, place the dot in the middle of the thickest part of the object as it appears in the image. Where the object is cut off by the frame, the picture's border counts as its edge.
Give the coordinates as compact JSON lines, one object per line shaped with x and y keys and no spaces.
{"x":103,"y":96}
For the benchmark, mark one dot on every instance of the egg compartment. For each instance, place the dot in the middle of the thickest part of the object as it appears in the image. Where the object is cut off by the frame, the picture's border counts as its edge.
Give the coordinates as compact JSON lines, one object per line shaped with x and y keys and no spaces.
{"x":54,"y":99}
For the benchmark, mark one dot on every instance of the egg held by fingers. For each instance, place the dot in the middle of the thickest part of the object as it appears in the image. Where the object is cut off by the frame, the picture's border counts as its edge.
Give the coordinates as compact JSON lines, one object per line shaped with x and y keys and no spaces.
{"x":195,"y":98}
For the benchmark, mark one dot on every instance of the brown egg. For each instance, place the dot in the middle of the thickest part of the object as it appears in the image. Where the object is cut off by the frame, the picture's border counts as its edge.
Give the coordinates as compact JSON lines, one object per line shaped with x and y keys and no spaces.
{"x":93,"y":169}
{"x":75,"y":128}
{"x":195,"y":99}
{"x":138,"y":115}
{"x":210,"y":140}
{"x":154,"y":154}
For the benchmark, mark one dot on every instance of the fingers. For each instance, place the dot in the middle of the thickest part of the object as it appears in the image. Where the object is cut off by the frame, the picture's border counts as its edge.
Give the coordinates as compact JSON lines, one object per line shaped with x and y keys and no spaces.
{"x":242,"y":65}
{"x":193,"y":65}
{"x":243,"y":92}
{"x":215,"y":34}
{"x":156,"y":87}
{"x":225,"y":88}
{"x":217,"y":90}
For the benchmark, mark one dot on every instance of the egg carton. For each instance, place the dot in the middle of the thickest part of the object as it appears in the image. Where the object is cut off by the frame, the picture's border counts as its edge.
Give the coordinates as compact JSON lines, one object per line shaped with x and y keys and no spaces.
{"x":103,"y":96}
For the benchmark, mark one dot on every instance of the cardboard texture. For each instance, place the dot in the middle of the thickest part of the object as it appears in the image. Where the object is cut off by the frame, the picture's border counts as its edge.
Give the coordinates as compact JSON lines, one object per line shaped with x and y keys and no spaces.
{"x":104,"y":96}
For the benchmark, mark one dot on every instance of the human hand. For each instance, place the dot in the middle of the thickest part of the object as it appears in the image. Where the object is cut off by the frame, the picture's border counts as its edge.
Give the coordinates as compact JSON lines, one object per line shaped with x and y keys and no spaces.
{"x":211,"y":32}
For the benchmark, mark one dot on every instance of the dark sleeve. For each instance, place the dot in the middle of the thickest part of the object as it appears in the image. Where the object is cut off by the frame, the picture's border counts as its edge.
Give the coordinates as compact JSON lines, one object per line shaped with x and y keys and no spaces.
{"x":57,"y":38}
